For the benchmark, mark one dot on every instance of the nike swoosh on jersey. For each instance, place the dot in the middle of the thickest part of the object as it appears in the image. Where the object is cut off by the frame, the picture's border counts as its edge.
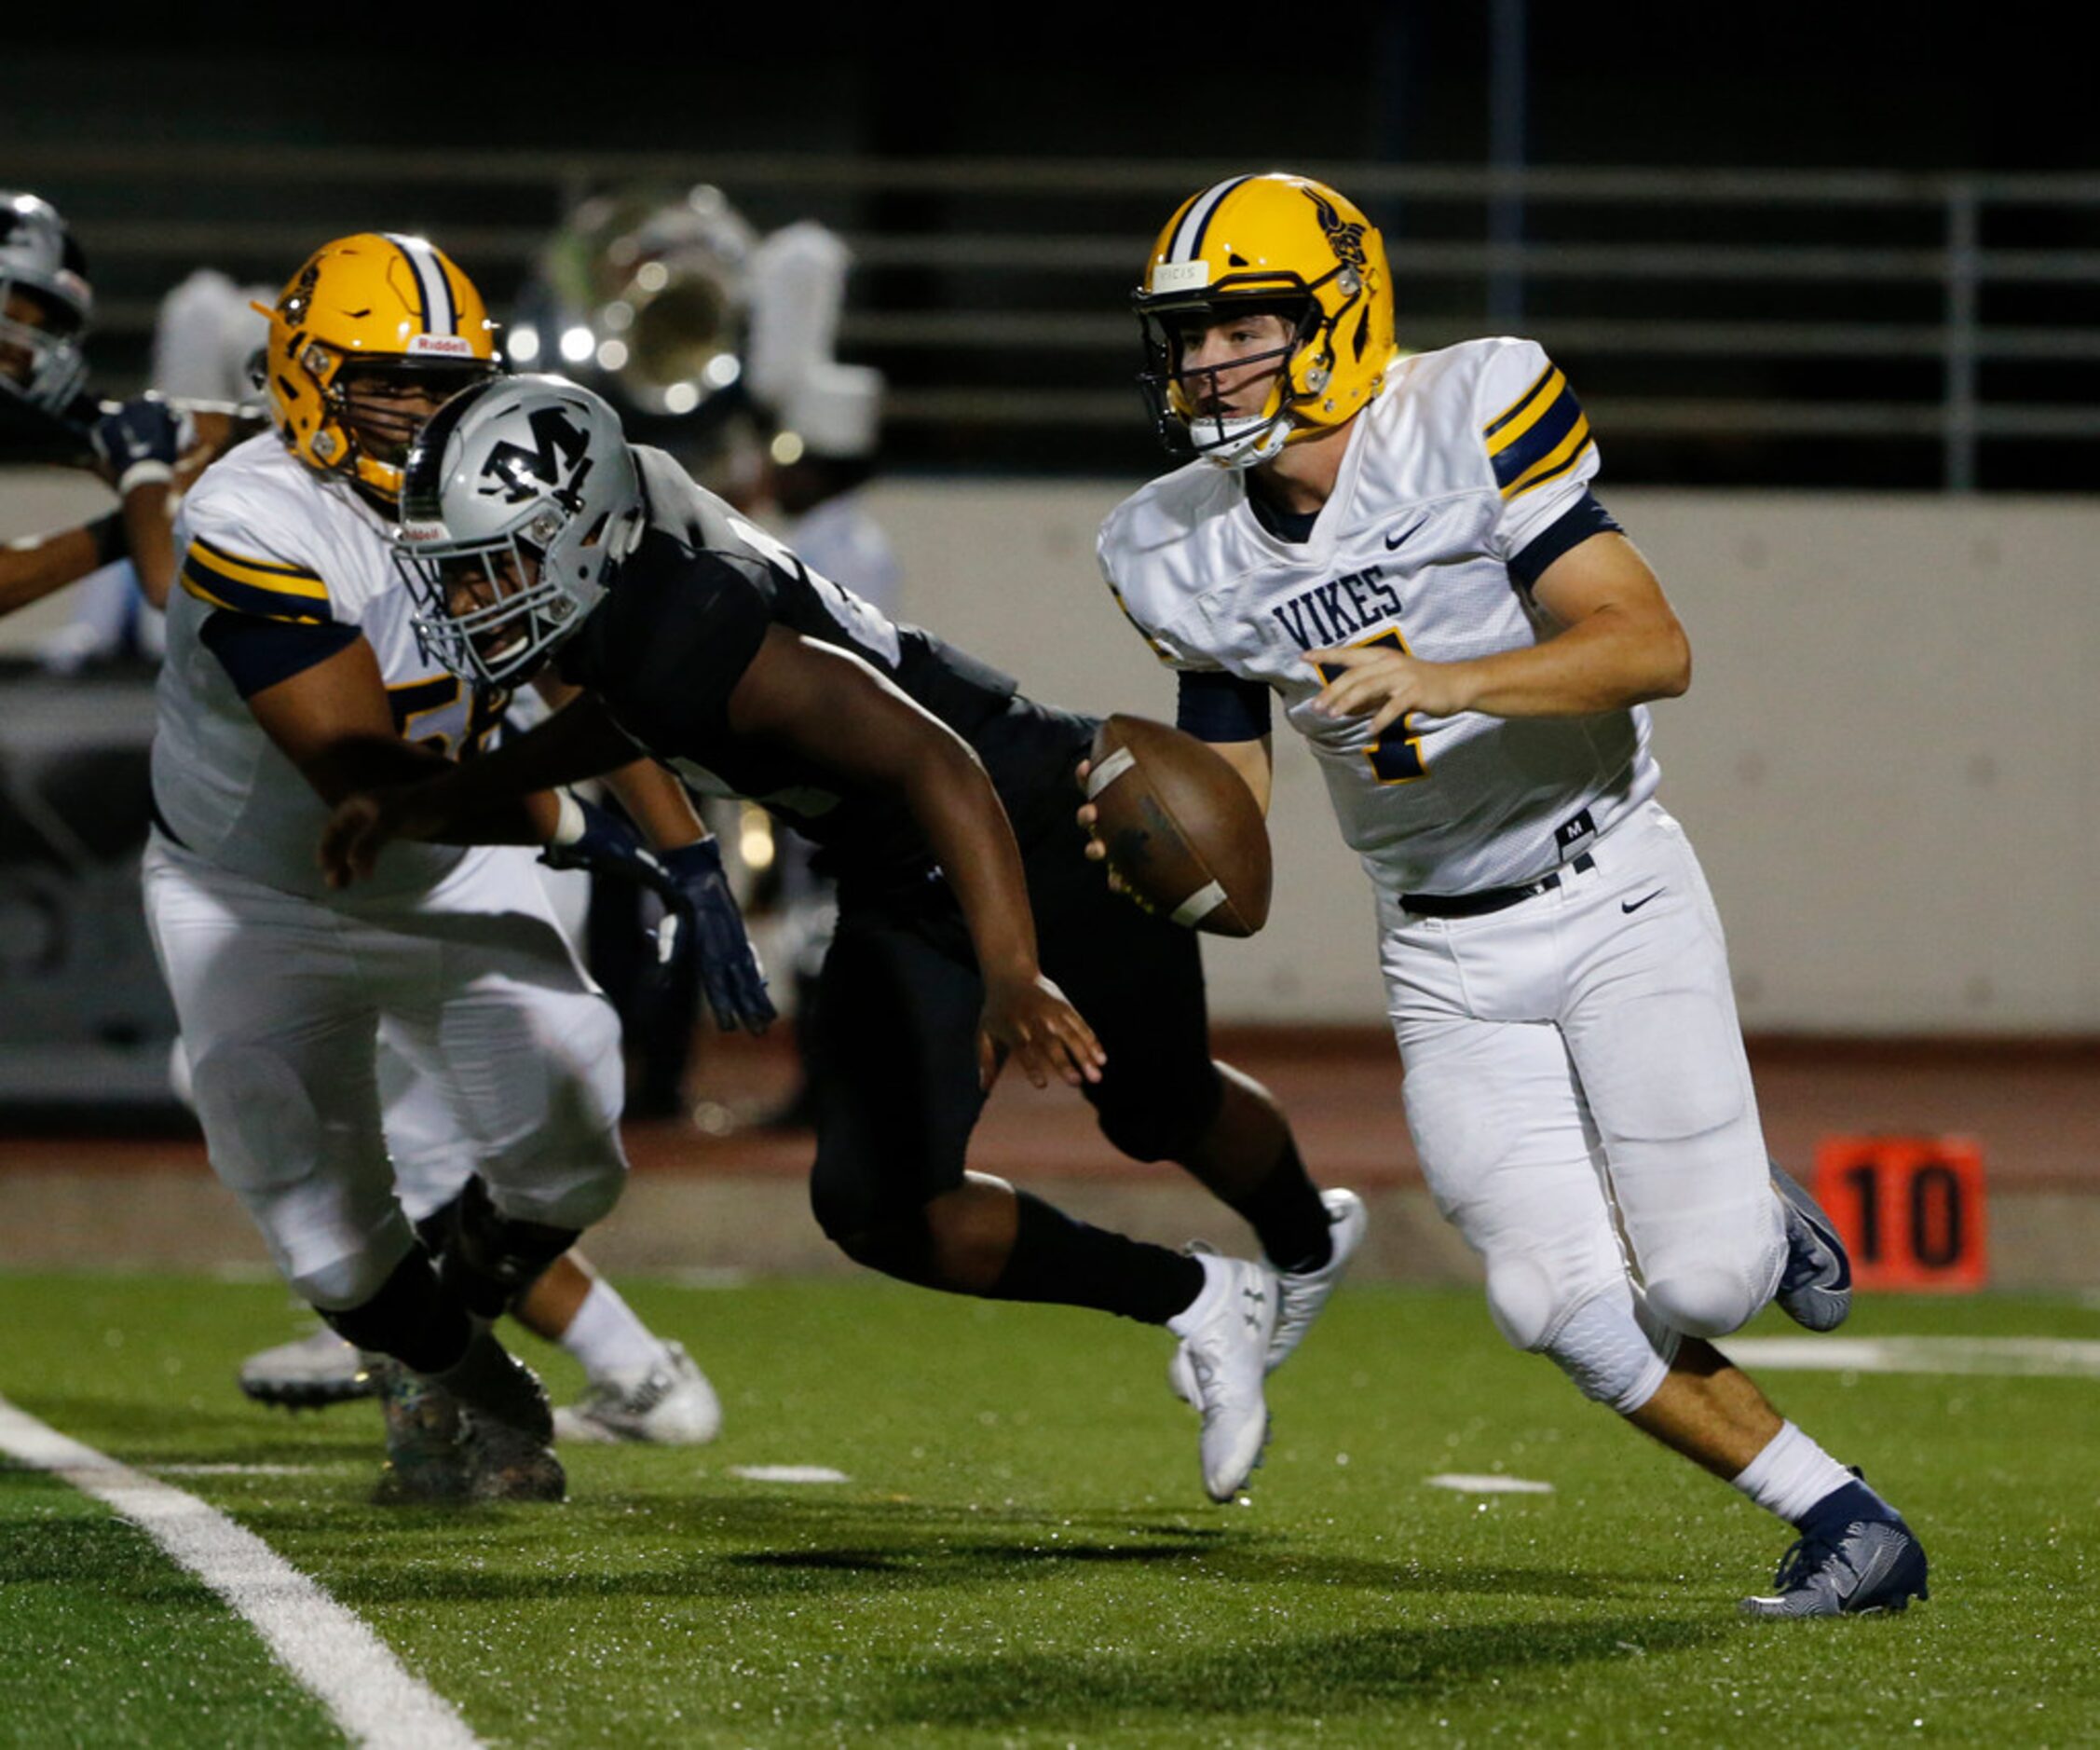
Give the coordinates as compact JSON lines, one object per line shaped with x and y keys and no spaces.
{"x":1394,"y":540}
{"x":1635,"y":905}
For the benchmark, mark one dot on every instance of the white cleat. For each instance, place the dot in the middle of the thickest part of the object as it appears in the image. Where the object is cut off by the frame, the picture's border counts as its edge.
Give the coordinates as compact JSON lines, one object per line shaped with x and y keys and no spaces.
{"x":1301,"y":1295}
{"x":309,"y":1373}
{"x":1225,"y":1358}
{"x":670,"y":1404}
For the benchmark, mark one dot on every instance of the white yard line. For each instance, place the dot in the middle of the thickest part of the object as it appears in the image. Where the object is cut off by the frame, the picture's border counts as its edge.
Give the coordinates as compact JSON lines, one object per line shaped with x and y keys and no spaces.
{"x":2066,"y":1357}
{"x":370,"y":1693}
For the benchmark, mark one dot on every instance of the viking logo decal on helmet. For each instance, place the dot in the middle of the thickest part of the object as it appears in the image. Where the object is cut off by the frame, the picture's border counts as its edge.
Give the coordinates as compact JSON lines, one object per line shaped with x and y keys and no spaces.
{"x":1288,"y":246}
{"x":519,"y":500}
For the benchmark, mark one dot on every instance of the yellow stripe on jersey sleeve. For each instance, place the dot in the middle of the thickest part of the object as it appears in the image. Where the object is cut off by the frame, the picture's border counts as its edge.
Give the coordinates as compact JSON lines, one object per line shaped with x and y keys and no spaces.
{"x":257,"y":587}
{"x":1555,"y":462}
{"x":1538,"y":436}
{"x":1523,"y":412}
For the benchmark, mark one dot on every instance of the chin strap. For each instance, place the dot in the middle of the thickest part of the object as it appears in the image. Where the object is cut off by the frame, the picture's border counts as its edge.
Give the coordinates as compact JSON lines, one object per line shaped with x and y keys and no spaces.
{"x":1256,"y":440}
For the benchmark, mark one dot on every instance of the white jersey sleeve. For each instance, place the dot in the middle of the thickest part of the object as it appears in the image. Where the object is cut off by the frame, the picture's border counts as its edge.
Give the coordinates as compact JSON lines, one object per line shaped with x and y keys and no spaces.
{"x":1167,"y":522}
{"x":297,"y":571}
{"x":1537,"y":441}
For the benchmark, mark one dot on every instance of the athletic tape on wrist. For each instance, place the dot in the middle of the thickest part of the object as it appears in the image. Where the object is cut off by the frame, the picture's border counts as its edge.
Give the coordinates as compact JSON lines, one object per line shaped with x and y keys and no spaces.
{"x":146,"y":473}
{"x":569,"y":824}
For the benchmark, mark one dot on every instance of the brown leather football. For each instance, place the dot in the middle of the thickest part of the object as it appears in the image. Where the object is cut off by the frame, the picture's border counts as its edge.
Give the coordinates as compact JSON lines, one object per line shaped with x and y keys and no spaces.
{"x":1182,"y":829}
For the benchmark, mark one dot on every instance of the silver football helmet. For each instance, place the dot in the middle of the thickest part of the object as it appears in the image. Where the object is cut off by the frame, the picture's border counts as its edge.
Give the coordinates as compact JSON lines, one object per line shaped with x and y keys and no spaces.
{"x":519,"y":500}
{"x":45,"y":304}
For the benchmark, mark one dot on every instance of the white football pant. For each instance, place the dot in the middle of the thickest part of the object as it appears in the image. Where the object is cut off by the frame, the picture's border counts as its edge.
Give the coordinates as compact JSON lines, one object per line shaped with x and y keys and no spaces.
{"x":512,"y":1054}
{"x":1577,"y":1052}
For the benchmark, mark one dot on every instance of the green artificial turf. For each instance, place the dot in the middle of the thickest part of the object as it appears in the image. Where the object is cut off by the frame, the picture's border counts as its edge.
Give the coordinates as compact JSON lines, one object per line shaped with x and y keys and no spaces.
{"x":1022,"y":1553}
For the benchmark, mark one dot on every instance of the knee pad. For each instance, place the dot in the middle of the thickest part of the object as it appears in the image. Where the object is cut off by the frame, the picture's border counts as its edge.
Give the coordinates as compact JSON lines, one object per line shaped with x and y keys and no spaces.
{"x":1603,"y":1348}
{"x":1706,"y":1299}
{"x":1524,"y":1301}
{"x":334,"y":1236}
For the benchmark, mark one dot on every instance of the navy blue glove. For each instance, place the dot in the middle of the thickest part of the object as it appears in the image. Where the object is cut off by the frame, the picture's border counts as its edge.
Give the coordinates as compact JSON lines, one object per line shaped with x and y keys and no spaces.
{"x":701,"y":918}
{"x":704,"y":921}
{"x":141,"y":441}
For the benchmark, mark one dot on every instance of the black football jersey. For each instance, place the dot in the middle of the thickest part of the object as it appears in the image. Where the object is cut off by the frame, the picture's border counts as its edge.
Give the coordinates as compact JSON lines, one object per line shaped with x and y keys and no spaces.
{"x":685,"y":617}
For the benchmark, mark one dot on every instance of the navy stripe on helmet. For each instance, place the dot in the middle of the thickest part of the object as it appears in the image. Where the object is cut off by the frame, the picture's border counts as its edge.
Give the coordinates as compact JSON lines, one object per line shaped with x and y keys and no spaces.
{"x":440,"y":315}
{"x":1188,"y":240}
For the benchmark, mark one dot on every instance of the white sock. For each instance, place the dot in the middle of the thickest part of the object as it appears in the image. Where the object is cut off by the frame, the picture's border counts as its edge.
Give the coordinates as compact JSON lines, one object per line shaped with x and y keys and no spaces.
{"x":1791,"y":1475}
{"x":607,"y":1337}
{"x":1200,"y":1308}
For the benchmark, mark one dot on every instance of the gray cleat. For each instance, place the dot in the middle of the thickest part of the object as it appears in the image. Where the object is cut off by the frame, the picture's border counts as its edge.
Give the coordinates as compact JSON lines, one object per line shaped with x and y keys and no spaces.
{"x":1816,"y":1287}
{"x":309,"y":1373}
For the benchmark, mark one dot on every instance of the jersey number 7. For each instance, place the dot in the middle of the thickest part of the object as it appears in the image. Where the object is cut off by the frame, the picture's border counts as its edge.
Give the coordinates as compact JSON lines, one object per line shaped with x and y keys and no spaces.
{"x":1396,"y":756}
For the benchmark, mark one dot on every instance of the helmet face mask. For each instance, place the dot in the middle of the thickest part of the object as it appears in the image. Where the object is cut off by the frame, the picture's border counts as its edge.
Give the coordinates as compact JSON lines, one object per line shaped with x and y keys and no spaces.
{"x":370,"y":335}
{"x":1279,"y":244}
{"x":46,"y":304}
{"x":1191,"y":406}
{"x":519,"y":500}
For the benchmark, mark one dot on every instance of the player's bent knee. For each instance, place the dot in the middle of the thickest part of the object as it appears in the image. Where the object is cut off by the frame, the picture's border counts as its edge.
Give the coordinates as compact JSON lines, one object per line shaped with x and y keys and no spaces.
{"x":1165,"y":1125}
{"x":1523,"y":1300}
{"x":1602,"y":1350}
{"x":901,"y":1247}
{"x":340,"y":1279}
{"x":1704,"y":1302}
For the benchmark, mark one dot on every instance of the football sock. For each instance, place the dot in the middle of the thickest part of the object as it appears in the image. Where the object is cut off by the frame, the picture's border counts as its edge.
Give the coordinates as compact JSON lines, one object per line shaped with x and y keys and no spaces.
{"x":1287,"y":1215}
{"x":1844,"y":1507}
{"x":607,"y":1337}
{"x":1793,"y":1477}
{"x":412,"y":1317}
{"x":1067,"y":1263}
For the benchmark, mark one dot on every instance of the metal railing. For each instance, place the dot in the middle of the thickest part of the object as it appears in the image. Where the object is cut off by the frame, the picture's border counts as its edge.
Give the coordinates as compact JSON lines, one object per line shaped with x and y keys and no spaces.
{"x":1838,"y":328}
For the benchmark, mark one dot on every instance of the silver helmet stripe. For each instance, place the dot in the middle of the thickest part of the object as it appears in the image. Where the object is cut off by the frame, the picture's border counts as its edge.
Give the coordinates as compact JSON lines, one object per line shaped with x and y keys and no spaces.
{"x":1188,"y":235}
{"x":440,"y":315}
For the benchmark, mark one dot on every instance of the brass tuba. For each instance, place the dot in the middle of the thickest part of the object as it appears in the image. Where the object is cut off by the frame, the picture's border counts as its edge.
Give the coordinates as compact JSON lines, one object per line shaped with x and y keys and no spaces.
{"x":645,"y":296}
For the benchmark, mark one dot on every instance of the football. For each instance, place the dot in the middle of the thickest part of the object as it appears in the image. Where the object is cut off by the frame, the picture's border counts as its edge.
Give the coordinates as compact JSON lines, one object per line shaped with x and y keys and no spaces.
{"x":1183,"y":832}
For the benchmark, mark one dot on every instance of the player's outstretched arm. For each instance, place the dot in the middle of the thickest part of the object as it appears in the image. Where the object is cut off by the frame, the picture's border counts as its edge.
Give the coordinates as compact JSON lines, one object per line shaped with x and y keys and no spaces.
{"x":42,"y":565}
{"x":834,"y":711}
{"x":502,"y":797}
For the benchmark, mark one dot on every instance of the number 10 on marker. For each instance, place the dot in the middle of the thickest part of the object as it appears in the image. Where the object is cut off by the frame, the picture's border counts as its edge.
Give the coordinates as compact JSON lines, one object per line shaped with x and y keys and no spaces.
{"x":1910,"y":1208}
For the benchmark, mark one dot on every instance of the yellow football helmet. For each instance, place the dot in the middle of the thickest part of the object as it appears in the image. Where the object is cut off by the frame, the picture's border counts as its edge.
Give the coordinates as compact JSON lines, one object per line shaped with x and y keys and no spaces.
{"x":364,"y":342}
{"x":1282,"y":241}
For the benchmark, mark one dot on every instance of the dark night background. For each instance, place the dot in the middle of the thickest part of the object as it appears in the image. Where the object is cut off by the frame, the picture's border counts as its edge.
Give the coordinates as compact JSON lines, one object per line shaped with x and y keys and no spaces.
{"x":1324,"y":89}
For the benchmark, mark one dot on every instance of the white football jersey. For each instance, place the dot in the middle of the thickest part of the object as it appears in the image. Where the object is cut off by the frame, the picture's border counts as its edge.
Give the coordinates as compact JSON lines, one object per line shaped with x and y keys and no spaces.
{"x":1470,"y":455}
{"x":262,"y":535}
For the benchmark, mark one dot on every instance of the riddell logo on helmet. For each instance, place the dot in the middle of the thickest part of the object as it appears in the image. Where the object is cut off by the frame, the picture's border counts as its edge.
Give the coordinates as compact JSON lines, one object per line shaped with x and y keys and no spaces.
{"x":421,"y":531}
{"x":452,"y":346}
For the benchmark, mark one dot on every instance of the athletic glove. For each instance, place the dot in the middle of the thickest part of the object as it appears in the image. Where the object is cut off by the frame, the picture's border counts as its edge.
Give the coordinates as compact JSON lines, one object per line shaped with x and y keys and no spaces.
{"x":141,"y":442}
{"x":701,"y":918}
{"x":705,"y":922}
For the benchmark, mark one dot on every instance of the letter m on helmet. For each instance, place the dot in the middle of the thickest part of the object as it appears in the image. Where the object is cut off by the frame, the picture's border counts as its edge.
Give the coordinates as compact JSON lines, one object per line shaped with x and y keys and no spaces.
{"x":555,"y":468}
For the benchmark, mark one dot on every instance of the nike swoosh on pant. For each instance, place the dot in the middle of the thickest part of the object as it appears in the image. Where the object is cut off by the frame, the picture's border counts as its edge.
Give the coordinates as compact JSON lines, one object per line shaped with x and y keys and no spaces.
{"x":1637,"y":904}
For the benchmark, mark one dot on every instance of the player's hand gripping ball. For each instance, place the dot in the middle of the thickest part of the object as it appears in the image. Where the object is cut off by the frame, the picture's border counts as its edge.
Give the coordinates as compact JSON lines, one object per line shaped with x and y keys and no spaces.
{"x":1183,"y":833}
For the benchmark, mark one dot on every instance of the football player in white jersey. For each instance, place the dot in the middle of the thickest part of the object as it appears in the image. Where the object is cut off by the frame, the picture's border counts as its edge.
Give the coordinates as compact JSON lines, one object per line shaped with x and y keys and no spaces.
{"x":293,"y":675}
{"x":1405,"y":551}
